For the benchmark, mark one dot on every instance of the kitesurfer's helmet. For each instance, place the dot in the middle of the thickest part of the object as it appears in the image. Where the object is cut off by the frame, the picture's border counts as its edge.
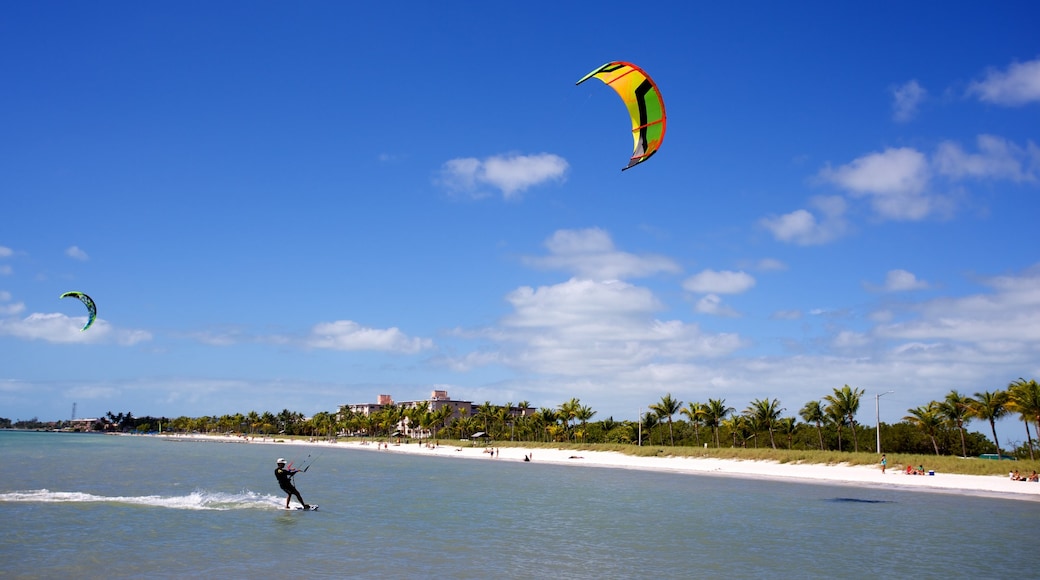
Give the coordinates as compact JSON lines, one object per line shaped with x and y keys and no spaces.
{"x":281,"y":461}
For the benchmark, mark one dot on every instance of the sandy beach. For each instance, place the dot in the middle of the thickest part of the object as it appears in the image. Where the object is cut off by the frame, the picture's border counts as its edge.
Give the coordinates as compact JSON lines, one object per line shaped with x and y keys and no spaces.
{"x":858,"y":476}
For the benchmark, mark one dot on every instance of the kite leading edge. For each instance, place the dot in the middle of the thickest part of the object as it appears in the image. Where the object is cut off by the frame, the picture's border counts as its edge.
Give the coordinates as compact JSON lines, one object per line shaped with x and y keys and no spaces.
{"x":644,"y":103}
{"x":88,"y":302}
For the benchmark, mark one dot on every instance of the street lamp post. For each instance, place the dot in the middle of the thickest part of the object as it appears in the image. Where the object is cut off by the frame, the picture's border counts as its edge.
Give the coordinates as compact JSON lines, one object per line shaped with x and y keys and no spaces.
{"x":877,"y":416}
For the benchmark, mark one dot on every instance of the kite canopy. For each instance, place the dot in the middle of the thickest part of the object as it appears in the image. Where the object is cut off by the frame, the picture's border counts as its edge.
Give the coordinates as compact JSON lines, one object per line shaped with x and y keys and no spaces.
{"x":88,"y":302}
{"x":644,"y":103}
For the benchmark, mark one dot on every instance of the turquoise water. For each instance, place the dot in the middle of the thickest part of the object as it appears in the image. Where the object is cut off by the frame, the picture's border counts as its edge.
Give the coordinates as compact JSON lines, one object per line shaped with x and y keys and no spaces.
{"x":92,"y":506}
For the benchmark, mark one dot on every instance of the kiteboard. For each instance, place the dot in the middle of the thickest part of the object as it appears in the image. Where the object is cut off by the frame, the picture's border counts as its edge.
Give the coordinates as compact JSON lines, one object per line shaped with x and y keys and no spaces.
{"x":310,"y":508}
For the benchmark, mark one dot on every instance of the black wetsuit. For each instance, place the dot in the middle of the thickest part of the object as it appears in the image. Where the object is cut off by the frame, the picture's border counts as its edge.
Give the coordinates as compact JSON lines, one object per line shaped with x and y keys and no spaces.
{"x":285,"y":480}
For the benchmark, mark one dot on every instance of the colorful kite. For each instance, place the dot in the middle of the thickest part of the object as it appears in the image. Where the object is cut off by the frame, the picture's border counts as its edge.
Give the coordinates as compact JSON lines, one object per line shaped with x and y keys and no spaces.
{"x":644,"y":105}
{"x":88,"y":302}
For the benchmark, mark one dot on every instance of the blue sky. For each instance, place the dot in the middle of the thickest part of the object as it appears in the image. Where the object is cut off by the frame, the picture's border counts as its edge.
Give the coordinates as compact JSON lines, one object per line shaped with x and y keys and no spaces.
{"x":301,"y":205}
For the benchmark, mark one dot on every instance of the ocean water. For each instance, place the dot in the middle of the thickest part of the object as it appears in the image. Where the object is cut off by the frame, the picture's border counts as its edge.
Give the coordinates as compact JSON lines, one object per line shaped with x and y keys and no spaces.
{"x":96,"y":506}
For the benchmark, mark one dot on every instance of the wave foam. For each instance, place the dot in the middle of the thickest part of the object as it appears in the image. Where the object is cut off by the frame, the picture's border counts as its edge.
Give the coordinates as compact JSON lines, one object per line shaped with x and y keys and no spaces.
{"x":196,"y":500}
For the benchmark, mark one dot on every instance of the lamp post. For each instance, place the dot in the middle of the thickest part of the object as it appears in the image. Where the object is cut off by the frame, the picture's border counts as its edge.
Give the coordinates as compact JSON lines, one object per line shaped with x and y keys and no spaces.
{"x":877,"y":416}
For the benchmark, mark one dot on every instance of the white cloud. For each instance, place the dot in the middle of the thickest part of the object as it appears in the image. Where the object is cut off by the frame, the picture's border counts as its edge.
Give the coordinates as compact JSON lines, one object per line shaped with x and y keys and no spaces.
{"x":712,"y":304}
{"x":901,"y":281}
{"x":59,"y":328}
{"x":1007,"y":317}
{"x":891,"y":172}
{"x":77,"y":254}
{"x":997,"y":158}
{"x":802,"y":227}
{"x":1018,"y":85}
{"x":905,"y":100}
{"x":9,"y":309}
{"x":597,"y":329}
{"x":6,"y":252}
{"x":510,"y":174}
{"x":349,"y":335}
{"x":719,"y":282}
{"x":590,"y":253}
{"x":895,"y":181}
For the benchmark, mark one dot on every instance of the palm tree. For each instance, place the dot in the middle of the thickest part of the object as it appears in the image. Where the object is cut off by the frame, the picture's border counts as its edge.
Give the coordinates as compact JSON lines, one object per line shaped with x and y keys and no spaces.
{"x":991,"y":406}
{"x":695,"y":413}
{"x":765,"y":413}
{"x":813,"y":413}
{"x":715,"y":412}
{"x":846,"y":400}
{"x":566,"y":412}
{"x":834,"y":414}
{"x":666,"y":408}
{"x":956,"y":408}
{"x":928,"y":419}
{"x":787,"y":427}
{"x":583,"y":414}
{"x":1025,"y":400}
{"x":650,"y":420}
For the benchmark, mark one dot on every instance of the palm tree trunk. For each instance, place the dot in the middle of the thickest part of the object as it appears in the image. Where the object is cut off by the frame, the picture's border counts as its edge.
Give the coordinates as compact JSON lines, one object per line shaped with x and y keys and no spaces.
{"x":993,"y":426}
{"x":855,"y":439}
{"x":1030,"y":439}
{"x":964,"y":446}
{"x":819,"y":431}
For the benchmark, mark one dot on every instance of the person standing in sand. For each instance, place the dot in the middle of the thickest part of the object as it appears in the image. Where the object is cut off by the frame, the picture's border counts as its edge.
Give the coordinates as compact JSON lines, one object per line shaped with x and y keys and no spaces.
{"x":285,"y":482}
{"x":884,"y":463}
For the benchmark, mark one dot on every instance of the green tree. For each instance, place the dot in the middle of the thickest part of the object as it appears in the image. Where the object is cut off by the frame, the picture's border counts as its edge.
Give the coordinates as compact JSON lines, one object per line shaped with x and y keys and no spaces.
{"x":715,"y":412}
{"x":991,"y":406}
{"x":695,"y":413}
{"x":765,"y":413}
{"x":583,"y":414}
{"x":956,"y":408}
{"x":929,"y":420}
{"x":1025,"y":400}
{"x":666,"y":409}
{"x":846,"y":401}
{"x":813,"y":413}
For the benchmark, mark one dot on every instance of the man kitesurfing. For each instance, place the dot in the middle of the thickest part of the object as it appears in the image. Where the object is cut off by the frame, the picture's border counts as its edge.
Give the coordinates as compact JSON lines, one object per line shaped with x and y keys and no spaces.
{"x":285,"y":476}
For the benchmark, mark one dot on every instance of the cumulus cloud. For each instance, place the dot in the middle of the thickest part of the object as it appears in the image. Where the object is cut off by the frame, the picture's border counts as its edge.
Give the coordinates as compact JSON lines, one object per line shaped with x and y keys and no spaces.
{"x":997,"y":158}
{"x":76,"y":253}
{"x":891,"y":172}
{"x":351,"y":336}
{"x":590,"y":253}
{"x":59,"y":328}
{"x":901,"y":281}
{"x":719,"y":282}
{"x":1019,"y":84}
{"x":8,"y":308}
{"x":802,"y":227}
{"x":905,"y":100}
{"x":895,"y":181}
{"x":597,"y":329}
{"x":712,"y":304}
{"x":1008,"y":314}
{"x":511,"y":174}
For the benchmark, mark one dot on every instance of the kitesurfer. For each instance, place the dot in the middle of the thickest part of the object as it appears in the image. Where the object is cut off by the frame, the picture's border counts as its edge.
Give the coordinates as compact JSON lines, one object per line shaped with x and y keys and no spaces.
{"x":285,"y":482}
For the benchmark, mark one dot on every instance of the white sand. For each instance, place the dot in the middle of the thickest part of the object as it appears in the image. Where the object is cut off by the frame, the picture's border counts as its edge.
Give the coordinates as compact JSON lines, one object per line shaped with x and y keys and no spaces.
{"x":859,"y":476}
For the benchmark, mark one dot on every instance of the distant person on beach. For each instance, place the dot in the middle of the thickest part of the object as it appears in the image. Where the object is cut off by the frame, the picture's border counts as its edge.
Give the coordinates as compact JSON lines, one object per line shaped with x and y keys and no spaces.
{"x":285,"y":482}
{"x":884,"y":463}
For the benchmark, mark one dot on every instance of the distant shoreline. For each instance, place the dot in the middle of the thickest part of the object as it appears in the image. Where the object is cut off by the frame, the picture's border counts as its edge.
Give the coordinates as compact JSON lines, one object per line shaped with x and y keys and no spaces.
{"x":852,"y":475}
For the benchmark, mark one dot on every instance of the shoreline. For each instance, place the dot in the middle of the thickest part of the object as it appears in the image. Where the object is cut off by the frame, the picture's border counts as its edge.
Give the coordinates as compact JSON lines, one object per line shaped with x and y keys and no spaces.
{"x":869,"y":477}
